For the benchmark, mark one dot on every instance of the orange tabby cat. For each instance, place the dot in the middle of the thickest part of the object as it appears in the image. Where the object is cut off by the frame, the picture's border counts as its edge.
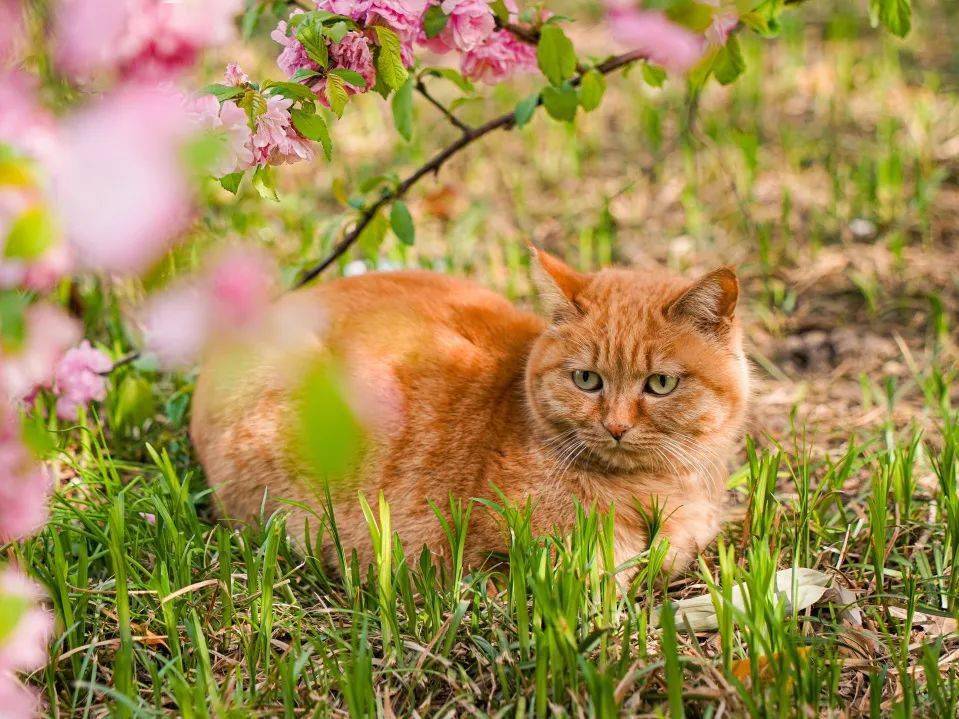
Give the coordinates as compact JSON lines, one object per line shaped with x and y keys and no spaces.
{"x":631,"y":394}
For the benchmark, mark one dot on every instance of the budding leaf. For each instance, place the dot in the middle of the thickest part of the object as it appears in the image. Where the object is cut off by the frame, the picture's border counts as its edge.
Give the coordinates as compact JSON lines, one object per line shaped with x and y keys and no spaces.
{"x":525,"y":109}
{"x":336,"y":94}
{"x":402,"y":223}
{"x":729,"y":62}
{"x":555,"y":55}
{"x":434,"y":21}
{"x":561,"y":102}
{"x":135,"y":402}
{"x":453,"y":76}
{"x":264,"y":183}
{"x":351,"y":76}
{"x":896,"y":15}
{"x":231,"y":182}
{"x":402,"y":104}
{"x":30,"y":235}
{"x":389,"y":62}
{"x":313,"y":127}
{"x":654,"y":75}
{"x":591,"y":90}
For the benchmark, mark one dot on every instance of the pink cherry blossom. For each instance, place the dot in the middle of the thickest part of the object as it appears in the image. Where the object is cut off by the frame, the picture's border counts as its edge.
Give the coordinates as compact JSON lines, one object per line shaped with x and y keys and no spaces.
{"x":78,"y":379}
{"x":229,"y":124}
{"x":123,"y":226}
{"x":498,"y":58}
{"x":353,"y":52}
{"x":25,"y":486}
{"x":404,"y":17}
{"x":293,"y":56}
{"x":275,"y":140}
{"x":469,"y":24}
{"x":651,"y":32}
{"x":235,"y":76}
{"x":18,"y":701}
{"x":719,"y":29}
{"x":49,"y":331}
{"x":145,"y":39}
{"x":40,"y":274}
{"x":25,"y":125}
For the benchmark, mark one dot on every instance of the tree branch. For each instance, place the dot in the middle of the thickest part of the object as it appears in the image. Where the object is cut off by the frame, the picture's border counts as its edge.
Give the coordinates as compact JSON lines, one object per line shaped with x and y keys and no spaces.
{"x":421,"y":89}
{"x":470,"y":135}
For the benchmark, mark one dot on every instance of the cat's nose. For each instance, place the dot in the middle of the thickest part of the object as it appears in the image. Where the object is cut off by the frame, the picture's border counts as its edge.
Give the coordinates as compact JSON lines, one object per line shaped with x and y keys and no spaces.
{"x":616,"y":429}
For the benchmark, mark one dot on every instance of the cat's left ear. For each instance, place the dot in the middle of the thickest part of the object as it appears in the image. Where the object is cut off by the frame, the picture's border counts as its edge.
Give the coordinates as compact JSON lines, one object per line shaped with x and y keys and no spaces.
{"x":710,"y":302}
{"x":557,"y":283}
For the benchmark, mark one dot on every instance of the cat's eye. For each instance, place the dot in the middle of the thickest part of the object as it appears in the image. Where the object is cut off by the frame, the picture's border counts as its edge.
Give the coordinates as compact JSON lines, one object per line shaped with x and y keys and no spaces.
{"x":587,"y":381}
{"x":661,"y":384}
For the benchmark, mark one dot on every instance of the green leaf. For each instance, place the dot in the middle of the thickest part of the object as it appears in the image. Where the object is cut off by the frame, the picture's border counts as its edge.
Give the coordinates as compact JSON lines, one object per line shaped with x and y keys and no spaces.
{"x":135,"y":402}
{"x":402,"y":104}
{"x":895,"y":15}
{"x":453,"y":76}
{"x":434,"y":20}
{"x":292,"y":90}
{"x":690,"y":14}
{"x":336,"y":94}
{"x":555,"y":55}
{"x":264,"y":183}
{"x":729,"y":62}
{"x":231,"y":182}
{"x":337,"y":31}
{"x":13,"y":326}
{"x":30,"y":236}
{"x":525,"y":109}
{"x":313,"y":127}
{"x":223,"y":92}
{"x":304,"y":73}
{"x":402,"y":223}
{"x":311,"y":36}
{"x":351,"y":76}
{"x":389,"y":62}
{"x":654,"y":75}
{"x":372,"y":235}
{"x":591,"y":90}
{"x":561,"y":102}
{"x":500,"y":10}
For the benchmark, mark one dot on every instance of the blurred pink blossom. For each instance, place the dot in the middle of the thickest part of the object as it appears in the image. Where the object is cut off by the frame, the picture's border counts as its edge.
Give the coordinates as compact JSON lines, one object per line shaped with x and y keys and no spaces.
{"x":226,"y":299}
{"x":651,"y":32}
{"x":25,"y":487}
{"x":18,"y":701}
{"x":25,"y":649}
{"x":145,"y":39}
{"x":276,"y":141}
{"x":48,"y":332}
{"x":501,"y":55}
{"x":469,"y":24}
{"x":11,"y":29}
{"x":40,"y":274}
{"x":25,"y":125}
{"x":119,"y":181}
{"x":77,"y":379}
{"x":230,"y":125}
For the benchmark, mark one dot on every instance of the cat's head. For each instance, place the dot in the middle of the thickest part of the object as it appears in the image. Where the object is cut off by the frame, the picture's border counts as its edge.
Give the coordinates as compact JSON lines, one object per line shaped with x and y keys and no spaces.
{"x":637,"y":370}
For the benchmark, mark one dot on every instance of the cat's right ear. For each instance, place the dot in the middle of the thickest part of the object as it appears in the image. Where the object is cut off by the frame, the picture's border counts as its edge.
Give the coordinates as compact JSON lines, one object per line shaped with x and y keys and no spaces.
{"x":558,"y":284}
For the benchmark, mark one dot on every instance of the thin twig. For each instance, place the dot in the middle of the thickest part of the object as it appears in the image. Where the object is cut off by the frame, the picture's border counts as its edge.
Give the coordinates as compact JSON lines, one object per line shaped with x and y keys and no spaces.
{"x":421,"y":89}
{"x":505,"y":121}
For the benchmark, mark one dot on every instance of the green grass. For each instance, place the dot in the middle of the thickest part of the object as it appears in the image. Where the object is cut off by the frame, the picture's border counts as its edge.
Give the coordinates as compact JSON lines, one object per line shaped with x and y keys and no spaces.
{"x":852,"y":468}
